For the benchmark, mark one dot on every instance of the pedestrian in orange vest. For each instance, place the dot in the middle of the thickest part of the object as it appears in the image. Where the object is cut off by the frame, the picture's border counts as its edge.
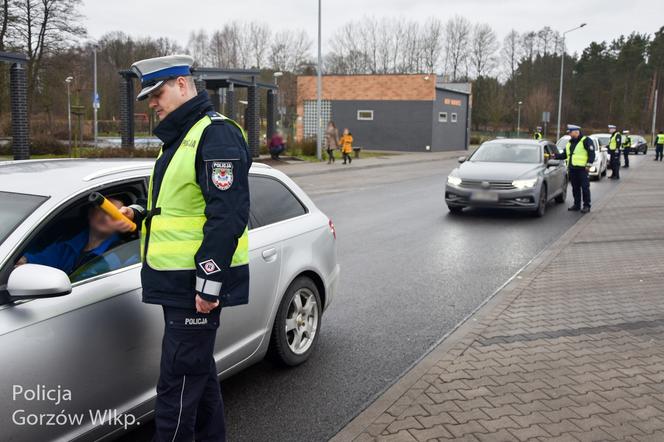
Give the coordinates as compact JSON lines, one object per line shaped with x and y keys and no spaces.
{"x":347,"y":145}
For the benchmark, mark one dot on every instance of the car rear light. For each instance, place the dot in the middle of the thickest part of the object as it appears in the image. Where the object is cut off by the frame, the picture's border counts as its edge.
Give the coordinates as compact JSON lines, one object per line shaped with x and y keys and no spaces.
{"x":332,"y":229}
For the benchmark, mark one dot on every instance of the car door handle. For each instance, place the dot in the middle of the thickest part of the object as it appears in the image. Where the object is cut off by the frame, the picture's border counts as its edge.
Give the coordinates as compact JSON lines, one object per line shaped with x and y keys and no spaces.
{"x":270,"y":255}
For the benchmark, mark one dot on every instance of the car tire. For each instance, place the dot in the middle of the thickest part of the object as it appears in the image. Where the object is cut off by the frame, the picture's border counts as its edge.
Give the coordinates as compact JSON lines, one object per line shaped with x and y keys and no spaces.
{"x":455,"y":210}
{"x":296,"y":326}
{"x":543,"y":200}
{"x":560,"y":198}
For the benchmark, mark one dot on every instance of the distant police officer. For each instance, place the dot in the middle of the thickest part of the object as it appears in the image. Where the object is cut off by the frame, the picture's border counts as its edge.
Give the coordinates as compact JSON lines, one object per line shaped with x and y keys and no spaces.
{"x":194,"y":243}
{"x":537,"y":135}
{"x":626,"y":147}
{"x":659,"y":145}
{"x":580,"y":155}
{"x":615,"y":143}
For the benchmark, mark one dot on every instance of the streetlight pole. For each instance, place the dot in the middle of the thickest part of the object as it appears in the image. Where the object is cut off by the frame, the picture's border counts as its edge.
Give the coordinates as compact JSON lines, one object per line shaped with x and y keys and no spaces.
{"x":95,"y":101}
{"x":518,"y":119}
{"x":319,"y":88}
{"x":276,"y":76}
{"x":68,"y":81}
{"x":560,"y":89}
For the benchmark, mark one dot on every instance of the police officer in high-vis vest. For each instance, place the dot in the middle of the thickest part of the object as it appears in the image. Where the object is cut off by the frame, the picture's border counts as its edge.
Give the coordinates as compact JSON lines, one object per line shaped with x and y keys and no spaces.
{"x":615,"y":143}
{"x":626,"y":147}
{"x":580,"y":155}
{"x":537,"y":135}
{"x":194,"y":243}
{"x":659,"y":145}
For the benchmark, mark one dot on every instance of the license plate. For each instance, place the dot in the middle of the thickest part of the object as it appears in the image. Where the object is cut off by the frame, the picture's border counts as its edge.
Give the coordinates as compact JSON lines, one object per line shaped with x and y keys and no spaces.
{"x":484,"y":196}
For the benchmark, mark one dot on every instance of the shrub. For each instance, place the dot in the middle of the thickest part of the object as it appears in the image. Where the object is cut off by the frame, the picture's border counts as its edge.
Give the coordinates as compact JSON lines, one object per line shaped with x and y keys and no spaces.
{"x":40,"y":145}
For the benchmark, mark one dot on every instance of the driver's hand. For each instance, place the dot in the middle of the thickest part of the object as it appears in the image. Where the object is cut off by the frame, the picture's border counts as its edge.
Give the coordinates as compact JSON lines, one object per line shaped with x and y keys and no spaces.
{"x":203,"y":306}
{"x":121,"y":225}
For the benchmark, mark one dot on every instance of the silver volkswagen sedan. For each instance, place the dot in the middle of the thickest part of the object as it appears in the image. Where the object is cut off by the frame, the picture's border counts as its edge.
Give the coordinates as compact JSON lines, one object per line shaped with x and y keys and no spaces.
{"x":516,"y":174}
{"x":80,"y":352}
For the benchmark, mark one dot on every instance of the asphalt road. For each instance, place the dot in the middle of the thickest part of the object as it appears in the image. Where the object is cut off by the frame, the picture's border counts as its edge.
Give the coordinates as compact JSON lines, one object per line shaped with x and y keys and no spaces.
{"x":410,"y":273}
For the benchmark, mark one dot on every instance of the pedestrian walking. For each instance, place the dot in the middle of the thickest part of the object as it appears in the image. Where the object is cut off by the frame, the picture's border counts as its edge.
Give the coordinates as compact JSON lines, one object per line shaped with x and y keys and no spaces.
{"x":659,"y":145}
{"x":331,"y":141}
{"x":626,"y":147}
{"x":580,"y":155}
{"x":615,"y":144}
{"x":347,"y":146}
{"x":193,"y":238}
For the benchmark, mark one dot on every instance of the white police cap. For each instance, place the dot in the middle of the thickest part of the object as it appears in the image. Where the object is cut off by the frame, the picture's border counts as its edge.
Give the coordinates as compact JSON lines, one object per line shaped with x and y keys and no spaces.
{"x":571,"y":127}
{"x":154,"y":72}
{"x":625,"y":131}
{"x":612,"y":126}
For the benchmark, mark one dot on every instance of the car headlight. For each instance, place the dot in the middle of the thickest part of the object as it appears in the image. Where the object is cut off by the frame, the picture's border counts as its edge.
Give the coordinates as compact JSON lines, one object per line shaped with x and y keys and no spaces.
{"x":454,"y":180}
{"x":524,"y":184}
{"x":593,"y":169}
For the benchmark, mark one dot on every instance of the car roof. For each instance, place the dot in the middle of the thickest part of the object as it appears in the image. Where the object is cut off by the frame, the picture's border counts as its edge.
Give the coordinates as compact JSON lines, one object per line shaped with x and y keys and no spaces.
{"x":517,"y":140}
{"x":62,"y":177}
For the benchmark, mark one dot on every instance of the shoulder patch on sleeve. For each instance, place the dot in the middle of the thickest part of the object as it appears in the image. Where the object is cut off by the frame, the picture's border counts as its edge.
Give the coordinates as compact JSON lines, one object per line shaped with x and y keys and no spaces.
{"x":222,"y":174}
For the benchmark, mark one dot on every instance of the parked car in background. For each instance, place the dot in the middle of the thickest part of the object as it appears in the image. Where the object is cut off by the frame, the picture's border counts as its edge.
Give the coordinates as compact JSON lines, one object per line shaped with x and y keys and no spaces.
{"x":601,"y":164}
{"x":639,"y":145}
{"x":515,"y":174}
{"x":88,"y":331}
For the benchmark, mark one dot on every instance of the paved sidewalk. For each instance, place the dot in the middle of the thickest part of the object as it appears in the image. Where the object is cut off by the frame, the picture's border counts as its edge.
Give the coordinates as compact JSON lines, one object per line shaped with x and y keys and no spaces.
{"x":304,"y":168}
{"x":571,"y":349}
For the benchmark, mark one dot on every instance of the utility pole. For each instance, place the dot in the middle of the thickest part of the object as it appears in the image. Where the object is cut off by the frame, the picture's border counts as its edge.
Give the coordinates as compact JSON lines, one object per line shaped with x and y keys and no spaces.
{"x":68,"y":81}
{"x":654,"y":117}
{"x":95,"y":100}
{"x":560,"y":90}
{"x":518,"y":119}
{"x":319,"y":90}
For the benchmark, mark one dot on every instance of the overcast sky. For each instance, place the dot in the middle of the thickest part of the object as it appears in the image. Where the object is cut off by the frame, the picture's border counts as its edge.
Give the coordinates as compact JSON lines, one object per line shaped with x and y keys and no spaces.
{"x":175,"y":19}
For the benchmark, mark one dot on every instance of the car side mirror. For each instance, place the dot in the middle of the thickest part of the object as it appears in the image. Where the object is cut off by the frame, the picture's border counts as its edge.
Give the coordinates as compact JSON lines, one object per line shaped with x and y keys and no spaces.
{"x":553,"y":163}
{"x":462,"y":159}
{"x":29,"y":281}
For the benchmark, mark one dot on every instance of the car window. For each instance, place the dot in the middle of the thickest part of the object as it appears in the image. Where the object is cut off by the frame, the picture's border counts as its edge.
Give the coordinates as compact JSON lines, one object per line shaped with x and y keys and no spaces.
{"x":79,"y":239}
{"x":15,"y":208}
{"x":507,"y":152}
{"x":272,"y":201}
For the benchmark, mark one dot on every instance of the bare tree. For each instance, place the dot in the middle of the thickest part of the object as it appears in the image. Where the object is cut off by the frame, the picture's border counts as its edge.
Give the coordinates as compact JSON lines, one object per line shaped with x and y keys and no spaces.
{"x":42,"y":28}
{"x":259,"y":41}
{"x":483,"y":50}
{"x":199,"y":47}
{"x":289,"y":50}
{"x":457,"y":39}
{"x":510,"y":53}
{"x":432,"y":34}
{"x":528,"y":46}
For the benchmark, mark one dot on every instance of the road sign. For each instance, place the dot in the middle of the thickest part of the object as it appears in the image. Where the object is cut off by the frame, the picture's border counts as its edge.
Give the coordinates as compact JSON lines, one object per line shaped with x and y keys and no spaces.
{"x":546,"y":117}
{"x":95,"y":101}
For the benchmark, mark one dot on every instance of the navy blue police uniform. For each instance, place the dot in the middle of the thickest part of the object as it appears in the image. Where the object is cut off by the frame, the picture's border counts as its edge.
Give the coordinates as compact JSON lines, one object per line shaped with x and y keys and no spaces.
{"x":189,"y":404}
{"x":578,"y":175}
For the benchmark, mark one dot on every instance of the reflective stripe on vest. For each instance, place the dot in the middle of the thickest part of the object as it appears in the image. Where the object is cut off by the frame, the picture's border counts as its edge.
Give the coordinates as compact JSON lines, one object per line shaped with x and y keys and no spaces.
{"x":176,"y":231}
{"x":660,"y":139}
{"x":613,"y":143}
{"x":580,"y":156}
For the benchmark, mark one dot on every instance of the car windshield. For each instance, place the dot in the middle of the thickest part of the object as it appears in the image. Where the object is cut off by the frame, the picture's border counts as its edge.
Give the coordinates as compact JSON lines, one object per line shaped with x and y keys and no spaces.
{"x":603,"y":141}
{"x":507,"y":152}
{"x":14,"y":208}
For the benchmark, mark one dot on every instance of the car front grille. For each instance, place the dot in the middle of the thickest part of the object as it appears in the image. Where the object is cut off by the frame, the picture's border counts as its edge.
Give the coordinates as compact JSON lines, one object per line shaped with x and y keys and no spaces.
{"x":493,"y":185}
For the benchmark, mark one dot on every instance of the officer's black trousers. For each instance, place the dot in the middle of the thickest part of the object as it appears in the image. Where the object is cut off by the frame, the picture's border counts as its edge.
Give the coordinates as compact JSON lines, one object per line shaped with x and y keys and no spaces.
{"x":659,"y":152}
{"x":580,"y":186}
{"x":189,"y":405}
{"x":614,"y":162}
{"x":626,"y":152}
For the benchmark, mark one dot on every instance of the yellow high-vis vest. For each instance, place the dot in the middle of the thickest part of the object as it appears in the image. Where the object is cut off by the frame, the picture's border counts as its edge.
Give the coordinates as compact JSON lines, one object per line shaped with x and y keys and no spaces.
{"x":660,"y":139}
{"x":580,"y":156}
{"x":613,"y":143}
{"x":176,"y":228}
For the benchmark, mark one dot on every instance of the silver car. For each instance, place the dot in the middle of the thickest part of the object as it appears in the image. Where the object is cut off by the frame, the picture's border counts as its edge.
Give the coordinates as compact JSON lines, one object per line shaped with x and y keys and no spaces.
{"x":80,"y":352}
{"x":515,"y":174}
